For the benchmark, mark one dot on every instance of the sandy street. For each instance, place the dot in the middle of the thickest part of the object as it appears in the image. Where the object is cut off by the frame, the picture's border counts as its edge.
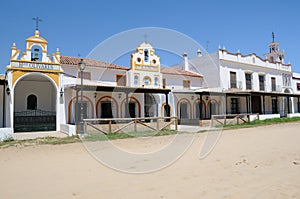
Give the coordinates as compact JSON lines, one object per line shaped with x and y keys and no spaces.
{"x":254,"y":163}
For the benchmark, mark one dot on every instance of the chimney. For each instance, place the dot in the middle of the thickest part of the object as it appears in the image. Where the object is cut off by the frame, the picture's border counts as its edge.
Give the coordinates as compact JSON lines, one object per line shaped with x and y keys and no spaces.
{"x":199,"y":53}
{"x":186,"y":61}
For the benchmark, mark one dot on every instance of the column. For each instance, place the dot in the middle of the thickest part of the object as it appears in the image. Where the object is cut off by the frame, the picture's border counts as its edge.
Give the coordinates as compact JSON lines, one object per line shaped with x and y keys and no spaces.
{"x":264,"y":104}
{"x":200,"y":106}
{"x":126,"y":106}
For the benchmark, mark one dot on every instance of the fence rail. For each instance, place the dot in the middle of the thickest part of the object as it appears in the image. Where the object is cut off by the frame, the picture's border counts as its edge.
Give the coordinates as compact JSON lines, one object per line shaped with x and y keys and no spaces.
{"x":230,"y":118}
{"x":161,"y":123}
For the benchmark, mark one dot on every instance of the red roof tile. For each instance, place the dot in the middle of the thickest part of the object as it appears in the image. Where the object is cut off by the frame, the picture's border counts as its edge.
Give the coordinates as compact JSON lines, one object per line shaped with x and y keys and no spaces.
{"x":175,"y":71}
{"x":68,"y":60}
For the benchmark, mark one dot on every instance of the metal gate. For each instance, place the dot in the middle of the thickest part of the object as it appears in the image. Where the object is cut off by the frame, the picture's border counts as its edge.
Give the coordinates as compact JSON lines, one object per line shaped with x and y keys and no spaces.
{"x":34,"y":120}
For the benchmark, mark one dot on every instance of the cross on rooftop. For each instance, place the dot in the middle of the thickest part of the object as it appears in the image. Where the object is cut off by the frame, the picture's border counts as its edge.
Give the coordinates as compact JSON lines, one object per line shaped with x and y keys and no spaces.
{"x":273,"y":36}
{"x":145,"y":37}
{"x":37,"y":20}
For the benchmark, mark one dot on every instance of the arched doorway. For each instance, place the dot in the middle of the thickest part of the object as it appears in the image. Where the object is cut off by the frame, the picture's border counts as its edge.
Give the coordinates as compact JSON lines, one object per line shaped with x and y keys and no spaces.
{"x":134,"y":108}
{"x":74,"y":109}
{"x":184,"y":111}
{"x":34,"y":104}
{"x":287,"y":103}
{"x":107,"y":107}
{"x":31,"y":102}
{"x":166,"y":110}
{"x":197,"y":109}
{"x":212,"y":108}
{"x":150,"y":105}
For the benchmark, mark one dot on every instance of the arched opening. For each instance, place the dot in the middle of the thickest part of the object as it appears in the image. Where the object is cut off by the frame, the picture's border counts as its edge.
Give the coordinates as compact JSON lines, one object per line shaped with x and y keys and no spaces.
{"x":287,"y":102}
{"x":150,"y":105}
{"x":166,"y":110}
{"x":31,"y":102}
{"x":212,"y":108}
{"x":74,"y":109}
{"x":134,"y":108}
{"x":197,"y":109}
{"x":36,"y":53}
{"x":107,"y":107}
{"x":34,"y":104}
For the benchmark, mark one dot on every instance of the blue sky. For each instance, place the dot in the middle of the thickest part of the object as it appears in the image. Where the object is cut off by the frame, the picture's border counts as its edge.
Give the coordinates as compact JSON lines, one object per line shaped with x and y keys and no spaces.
{"x":76,"y":27}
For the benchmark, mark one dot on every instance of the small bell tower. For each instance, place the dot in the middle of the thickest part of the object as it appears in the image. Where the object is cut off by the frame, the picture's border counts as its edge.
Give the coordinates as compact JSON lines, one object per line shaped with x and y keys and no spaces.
{"x":275,"y":55}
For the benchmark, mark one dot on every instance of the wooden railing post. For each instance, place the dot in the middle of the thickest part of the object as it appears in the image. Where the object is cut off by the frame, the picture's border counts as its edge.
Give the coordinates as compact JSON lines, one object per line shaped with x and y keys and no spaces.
{"x":176,"y":123}
{"x":134,"y":125}
{"x":85,"y":127}
{"x":109,"y":126}
{"x":157,"y":124}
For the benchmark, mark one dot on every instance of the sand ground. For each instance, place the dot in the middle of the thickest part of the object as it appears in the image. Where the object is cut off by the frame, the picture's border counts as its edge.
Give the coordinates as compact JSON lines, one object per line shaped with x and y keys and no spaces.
{"x":255,"y":163}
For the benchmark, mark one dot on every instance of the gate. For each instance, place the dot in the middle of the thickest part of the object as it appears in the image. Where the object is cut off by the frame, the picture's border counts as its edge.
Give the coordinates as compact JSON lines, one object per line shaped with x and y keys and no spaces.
{"x":34,"y":120}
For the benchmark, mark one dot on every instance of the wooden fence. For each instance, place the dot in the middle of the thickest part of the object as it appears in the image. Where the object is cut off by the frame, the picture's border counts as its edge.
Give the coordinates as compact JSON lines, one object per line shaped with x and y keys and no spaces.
{"x":114,"y":125}
{"x":230,"y":119}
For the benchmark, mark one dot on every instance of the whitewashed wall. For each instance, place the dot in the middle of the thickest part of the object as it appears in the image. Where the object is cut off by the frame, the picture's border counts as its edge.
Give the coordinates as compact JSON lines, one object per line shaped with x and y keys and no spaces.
{"x":45,"y":92}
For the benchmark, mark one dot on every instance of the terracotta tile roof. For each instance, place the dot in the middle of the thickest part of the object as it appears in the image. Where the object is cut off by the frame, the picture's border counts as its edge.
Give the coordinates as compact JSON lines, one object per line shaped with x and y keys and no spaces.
{"x":68,"y":60}
{"x":175,"y":71}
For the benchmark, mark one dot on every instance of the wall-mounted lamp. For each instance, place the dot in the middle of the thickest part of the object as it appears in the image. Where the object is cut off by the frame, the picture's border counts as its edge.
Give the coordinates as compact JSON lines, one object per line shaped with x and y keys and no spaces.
{"x":61,"y":92}
{"x":8,"y":91}
{"x":95,"y":95}
{"x":192,"y":97}
{"x":119,"y":95}
{"x":207,"y":98}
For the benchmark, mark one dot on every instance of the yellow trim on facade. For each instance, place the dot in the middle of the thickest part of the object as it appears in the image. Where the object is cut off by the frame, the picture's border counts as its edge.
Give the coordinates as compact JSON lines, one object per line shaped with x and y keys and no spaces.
{"x":36,"y":40}
{"x":55,"y":77}
{"x":15,"y":54}
{"x":18,"y":74}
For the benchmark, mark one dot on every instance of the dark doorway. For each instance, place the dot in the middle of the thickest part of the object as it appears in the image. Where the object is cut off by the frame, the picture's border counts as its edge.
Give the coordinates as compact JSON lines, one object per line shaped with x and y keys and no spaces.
{"x":31,"y":102}
{"x":274,"y":106}
{"x":167,"y":111}
{"x":106,"y":110}
{"x":256,"y":104}
{"x":183,"y":110}
{"x":132,"y":109}
{"x":234,"y":106}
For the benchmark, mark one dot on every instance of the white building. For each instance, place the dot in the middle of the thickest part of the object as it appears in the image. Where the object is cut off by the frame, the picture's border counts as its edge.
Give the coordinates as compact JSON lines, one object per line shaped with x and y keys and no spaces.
{"x":43,"y":92}
{"x":248,"y":83}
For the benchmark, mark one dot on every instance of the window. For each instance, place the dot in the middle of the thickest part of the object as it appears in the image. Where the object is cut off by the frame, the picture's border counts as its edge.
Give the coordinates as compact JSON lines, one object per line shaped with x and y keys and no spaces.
{"x":232,"y":79}
{"x":186,"y":83}
{"x":155,"y":81}
{"x":164,"y":83}
{"x":31,"y":102}
{"x":85,"y":75}
{"x":248,"y":81}
{"x":286,"y":78}
{"x":261,"y":79}
{"x":273,"y":82}
{"x":298,"y":86}
{"x":147,"y":80}
{"x":136,"y":80}
{"x":234,"y":106}
{"x":121,"y":80}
